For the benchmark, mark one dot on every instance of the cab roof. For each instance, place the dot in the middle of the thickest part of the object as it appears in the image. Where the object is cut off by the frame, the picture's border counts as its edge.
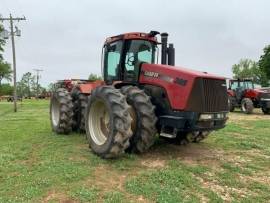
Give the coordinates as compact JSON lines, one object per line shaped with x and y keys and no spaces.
{"x":132,"y":35}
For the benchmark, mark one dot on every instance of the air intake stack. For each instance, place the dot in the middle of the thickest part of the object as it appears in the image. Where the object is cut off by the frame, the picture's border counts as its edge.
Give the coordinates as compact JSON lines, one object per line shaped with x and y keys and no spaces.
{"x":167,"y":53}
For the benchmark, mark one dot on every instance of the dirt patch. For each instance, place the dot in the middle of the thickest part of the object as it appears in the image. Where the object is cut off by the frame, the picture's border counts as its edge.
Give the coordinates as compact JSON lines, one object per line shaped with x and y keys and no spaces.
{"x":108,"y":179}
{"x":152,"y":162}
{"x":59,"y":197}
{"x":223,"y":191}
{"x":191,"y":154}
{"x":239,"y":116}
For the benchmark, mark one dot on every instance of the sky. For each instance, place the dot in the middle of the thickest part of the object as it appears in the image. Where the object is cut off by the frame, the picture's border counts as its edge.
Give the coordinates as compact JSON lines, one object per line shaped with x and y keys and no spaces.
{"x":65,"y":37}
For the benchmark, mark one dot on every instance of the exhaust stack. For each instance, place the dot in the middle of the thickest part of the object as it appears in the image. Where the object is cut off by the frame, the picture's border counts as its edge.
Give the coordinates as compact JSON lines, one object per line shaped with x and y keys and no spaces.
{"x":167,"y":53}
{"x":164,"y":41}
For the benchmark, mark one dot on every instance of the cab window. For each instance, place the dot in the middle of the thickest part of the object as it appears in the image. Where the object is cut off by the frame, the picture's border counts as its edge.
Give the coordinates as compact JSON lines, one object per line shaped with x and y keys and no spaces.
{"x":112,"y":60}
{"x":137,"y":52}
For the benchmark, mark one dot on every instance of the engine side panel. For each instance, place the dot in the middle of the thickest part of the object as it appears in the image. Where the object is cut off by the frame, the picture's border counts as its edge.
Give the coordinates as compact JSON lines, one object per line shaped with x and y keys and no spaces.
{"x":182,"y":89}
{"x":177,"y":93}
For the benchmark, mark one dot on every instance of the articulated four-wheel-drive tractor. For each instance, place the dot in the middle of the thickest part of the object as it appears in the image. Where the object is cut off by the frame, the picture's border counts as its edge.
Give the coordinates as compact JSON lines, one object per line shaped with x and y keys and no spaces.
{"x":140,"y":99}
{"x":243,"y":94}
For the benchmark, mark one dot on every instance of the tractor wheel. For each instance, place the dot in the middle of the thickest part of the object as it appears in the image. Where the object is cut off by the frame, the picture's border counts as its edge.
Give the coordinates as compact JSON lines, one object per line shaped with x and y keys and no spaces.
{"x":230,"y":103}
{"x":79,"y":105}
{"x":266,"y":110}
{"x":61,"y":111}
{"x":143,"y":119}
{"x":108,"y":122}
{"x":247,"y":106}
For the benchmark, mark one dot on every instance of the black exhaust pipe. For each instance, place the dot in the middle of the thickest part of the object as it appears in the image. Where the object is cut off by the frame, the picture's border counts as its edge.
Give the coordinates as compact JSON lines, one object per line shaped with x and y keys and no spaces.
{"x":171,"y":55}
{"x":164,"y":41}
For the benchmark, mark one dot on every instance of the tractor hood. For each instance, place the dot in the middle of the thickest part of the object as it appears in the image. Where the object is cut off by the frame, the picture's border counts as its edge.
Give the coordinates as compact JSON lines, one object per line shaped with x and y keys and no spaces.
{"x":185,"y":88}
{"x":180,"y":71}
{"x":263,"y":90}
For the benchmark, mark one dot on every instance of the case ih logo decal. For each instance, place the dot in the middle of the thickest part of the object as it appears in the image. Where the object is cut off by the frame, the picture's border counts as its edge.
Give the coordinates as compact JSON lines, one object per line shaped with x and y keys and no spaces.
{"x":166,"y":78}
{"x":151,"y":74}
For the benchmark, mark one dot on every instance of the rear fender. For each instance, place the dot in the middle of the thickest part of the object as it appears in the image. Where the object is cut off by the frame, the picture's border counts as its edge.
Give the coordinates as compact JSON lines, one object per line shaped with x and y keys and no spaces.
{"x":87,"y":88}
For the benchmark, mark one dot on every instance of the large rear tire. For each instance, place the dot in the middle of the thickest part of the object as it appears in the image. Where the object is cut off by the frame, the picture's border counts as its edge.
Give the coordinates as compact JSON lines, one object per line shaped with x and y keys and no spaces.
{"x":108,"y":122}
{"x":79,"y":107}
{"x":247,"y":106}
{"x":143,"y":119}
{"x":61,"y":111}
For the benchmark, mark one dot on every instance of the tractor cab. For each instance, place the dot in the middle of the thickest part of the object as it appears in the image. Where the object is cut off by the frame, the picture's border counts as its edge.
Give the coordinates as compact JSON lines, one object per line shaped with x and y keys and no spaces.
{"x":238,"y":87}
{"x":241,"y":84}
{"x":124,"y":54}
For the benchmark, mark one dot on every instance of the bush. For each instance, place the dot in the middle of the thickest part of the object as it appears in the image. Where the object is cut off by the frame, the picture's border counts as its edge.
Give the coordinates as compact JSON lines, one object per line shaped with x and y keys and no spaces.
{"x":6,"y":89}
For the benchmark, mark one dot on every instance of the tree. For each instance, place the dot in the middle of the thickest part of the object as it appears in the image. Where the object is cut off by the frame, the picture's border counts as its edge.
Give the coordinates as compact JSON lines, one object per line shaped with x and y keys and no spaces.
{"x":5,"y":71}
{"x":247,"y":68}
{"x":27,"y":85}
{"x":6,"y":89}
{"x":2,"y":43}
{"x":51,"y":87}
{"x":264,"y":64}
{"x":94,"y":77}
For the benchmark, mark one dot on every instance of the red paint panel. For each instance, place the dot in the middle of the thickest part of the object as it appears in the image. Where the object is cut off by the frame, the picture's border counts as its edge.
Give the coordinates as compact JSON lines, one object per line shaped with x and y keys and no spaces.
{"x":88,"y":87}
{"x":178,"y":94}
{"x":251,"y":93}
{"x":131,"y":35}
{"x":231,"y":93}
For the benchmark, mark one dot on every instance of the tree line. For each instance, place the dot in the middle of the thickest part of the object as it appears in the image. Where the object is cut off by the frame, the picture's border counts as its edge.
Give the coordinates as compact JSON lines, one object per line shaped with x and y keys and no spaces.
{"x":258,"y":71}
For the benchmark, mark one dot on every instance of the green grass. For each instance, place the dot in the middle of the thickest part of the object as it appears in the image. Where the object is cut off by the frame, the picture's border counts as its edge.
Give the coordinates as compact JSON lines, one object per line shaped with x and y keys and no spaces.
{"x":37,"y":165}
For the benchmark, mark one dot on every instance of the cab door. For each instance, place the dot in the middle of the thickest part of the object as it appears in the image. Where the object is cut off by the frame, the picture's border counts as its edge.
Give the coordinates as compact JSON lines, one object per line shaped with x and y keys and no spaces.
{"x":112,"y":62}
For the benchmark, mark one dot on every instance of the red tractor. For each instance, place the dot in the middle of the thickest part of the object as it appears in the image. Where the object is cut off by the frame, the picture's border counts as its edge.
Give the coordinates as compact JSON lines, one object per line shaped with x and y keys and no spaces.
{"x":243,"y":94}
{"x":140,"y":99}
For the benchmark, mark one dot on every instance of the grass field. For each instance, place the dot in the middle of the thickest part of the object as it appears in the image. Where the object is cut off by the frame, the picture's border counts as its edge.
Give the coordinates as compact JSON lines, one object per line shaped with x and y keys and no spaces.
{"x":36,"y":165}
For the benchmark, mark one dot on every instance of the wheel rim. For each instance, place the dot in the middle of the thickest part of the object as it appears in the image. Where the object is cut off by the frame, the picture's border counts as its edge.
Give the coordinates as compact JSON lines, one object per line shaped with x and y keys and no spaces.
{"x":244,"y":107}
{"x":55,"y":112}
{"x":99,"y":122}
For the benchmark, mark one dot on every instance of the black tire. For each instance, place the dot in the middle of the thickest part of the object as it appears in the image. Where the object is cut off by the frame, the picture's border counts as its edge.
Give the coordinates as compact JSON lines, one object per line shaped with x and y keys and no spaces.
{"x":143,"y":119}
{"x":61,"y":112}
{"x":231,"y":104}
{"x":247,"y":106}
{"x":111,"y":139}
{"x":79,"y":107}
{"x":266,"y":110}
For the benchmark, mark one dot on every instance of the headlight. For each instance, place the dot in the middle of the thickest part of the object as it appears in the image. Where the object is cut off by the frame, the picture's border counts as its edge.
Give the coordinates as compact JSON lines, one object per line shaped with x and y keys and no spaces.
{"x":265,"y":99}
{"x":206,"y":116}
{"x":212,"y":116}
{"x":220,"y":116}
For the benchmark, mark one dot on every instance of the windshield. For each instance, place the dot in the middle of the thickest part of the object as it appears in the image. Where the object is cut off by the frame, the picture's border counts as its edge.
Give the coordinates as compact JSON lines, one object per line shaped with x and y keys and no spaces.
{"x":242,"y":85}
{"x":137,"y":52}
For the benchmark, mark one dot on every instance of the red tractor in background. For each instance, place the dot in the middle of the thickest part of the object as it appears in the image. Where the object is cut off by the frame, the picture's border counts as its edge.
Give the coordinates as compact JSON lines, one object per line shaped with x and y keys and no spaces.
{"x":140,"y":99}
{"x":243,"y":94}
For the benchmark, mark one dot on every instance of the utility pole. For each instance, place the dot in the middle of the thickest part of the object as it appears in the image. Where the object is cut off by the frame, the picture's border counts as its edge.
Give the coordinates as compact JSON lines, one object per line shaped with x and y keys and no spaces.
{"x":38,"y":76}
{"x":17,"y":32}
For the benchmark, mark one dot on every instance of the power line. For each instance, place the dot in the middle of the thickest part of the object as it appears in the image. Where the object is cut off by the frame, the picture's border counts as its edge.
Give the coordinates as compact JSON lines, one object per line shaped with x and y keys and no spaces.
{"x":17,"y":32}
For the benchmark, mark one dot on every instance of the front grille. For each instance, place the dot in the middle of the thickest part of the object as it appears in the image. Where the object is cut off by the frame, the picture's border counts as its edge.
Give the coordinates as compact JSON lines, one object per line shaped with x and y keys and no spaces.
{"x":208,"y":95}
{"x":264,"y":95}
